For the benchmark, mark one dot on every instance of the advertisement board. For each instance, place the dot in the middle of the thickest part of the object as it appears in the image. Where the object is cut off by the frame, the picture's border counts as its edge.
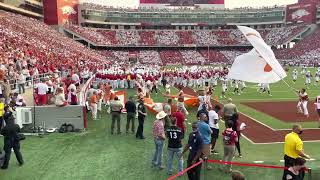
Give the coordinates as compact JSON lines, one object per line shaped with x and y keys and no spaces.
{"x":60,"y":11}
{"x":301,"y":13}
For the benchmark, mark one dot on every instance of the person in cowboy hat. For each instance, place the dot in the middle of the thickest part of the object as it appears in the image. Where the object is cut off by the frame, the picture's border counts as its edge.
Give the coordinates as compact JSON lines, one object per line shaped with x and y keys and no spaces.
{"x":159,"y":137}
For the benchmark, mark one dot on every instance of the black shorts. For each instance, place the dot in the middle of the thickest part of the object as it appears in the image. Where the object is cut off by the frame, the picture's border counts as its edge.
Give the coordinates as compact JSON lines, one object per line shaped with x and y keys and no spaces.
{"x":318,"y":111}
{"x":215,"y":133}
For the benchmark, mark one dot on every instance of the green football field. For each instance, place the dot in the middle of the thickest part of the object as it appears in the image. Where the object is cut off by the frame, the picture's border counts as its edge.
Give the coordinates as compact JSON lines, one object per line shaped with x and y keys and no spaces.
{"x":97,"y":155}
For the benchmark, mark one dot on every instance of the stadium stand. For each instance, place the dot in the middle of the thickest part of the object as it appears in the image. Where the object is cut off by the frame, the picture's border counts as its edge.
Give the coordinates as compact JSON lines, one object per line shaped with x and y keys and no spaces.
{"x":218,"y":37}
{"x":171,"y":57}
{"x":47,"y":49}
{"x":305,"y":52}
{"x":147,"y":38}
{"x":149,"y":57}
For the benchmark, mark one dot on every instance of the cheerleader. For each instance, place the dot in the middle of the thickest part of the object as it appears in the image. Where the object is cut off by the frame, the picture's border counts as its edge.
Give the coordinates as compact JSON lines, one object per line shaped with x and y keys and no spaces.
{"x":224,"y":88}
{"x":180,"y":102}
{"x":303,"y":102}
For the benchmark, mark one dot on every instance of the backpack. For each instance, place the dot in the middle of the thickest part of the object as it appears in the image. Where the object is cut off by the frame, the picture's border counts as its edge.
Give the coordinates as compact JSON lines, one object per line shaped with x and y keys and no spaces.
{"x":66,"y":128}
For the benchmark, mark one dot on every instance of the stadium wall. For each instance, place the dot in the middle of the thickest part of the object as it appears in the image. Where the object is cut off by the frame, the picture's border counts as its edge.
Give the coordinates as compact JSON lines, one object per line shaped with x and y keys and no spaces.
{"x":54,"y":116}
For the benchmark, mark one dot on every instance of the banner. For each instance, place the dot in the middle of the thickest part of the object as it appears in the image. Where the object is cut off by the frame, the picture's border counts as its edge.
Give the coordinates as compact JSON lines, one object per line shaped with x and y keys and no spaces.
{"x":60,"y":11}
{"x":182,"y":2}
{"x":301,"y":13}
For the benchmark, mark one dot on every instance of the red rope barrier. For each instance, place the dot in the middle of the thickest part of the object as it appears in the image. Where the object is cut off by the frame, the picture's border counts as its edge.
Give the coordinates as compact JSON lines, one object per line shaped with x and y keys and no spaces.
{"x":184,"y":171}
{"x":246,"y":164}
{"x":231,"y":163}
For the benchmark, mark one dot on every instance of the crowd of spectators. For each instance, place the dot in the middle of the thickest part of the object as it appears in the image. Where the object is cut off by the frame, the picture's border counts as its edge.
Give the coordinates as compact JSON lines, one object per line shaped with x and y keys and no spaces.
{"x":174,"y":57}
{"x":167,"y":37}
{"x":305,"y":51}
{"x":149,"y":57}
{"x":205,"y":38}
{"x":186,"y":37}
{"x":276,"y":36}
{"x":192,"y":57}
{"x":171,"y":57}
{"x":230,"y":55}
{"x":178,"y":9}
{"x":147,"y":38}
{"x":127,"y":37}
{"x":216,"y":37}
{"x":214,"y":57}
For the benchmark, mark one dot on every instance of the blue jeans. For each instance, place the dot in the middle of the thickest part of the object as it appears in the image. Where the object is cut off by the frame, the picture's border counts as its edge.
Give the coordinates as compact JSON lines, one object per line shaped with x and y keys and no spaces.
{"x":157,"y":157}
{"x":178,"y":152}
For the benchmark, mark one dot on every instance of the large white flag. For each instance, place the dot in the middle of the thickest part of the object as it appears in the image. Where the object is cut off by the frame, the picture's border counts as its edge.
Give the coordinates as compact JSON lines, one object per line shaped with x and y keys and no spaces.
{"x":259,"y":65}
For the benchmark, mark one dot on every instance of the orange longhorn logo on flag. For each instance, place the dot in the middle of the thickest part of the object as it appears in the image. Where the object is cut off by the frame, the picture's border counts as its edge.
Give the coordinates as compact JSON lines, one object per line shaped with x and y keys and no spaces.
{"x":252,"y":34}
{"x":267,"y":67}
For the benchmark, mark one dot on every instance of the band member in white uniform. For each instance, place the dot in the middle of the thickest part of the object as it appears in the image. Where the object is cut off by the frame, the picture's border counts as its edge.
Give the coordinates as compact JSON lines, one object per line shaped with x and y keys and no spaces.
{"x":224,"y":82}
{"x":308,"y":78}
{"x":303,"y":102}
{"x":243,"y":85}
{"x":266,"y":87}
{"x":294,"y":75}
{"x":317,"y":104}
{"x":236,"y":87}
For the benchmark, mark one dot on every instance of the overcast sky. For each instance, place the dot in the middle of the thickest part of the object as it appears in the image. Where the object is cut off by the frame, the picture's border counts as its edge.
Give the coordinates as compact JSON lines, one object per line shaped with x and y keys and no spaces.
{"x":228,"y":3}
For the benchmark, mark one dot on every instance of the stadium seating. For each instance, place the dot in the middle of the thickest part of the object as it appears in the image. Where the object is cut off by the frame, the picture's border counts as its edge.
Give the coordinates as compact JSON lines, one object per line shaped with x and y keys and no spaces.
{"x":167,"y":38}
{"x":185,"y":37}
{"x":213,"y":56}
{"x":147,"y":38}
{"x":171,"y":57}
{"x":192,"y":57}
{"x":149,"y":57}
{"x":109,"y":35}
{"x":219,"y":37}
{"x":42,"y":46}
{"x":127,"y":37}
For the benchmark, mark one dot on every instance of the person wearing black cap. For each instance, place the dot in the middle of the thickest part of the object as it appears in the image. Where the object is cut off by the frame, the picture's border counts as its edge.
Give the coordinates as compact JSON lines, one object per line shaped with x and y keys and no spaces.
{"x":142,"y":113}
{"x":11,"y":140}
{"x":131,"y":114}
{"x":194,"y":145}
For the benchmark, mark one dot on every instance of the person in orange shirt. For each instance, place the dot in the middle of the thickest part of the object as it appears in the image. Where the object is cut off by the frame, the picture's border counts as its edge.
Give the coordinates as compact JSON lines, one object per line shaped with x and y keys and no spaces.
{"x":94,"y":105}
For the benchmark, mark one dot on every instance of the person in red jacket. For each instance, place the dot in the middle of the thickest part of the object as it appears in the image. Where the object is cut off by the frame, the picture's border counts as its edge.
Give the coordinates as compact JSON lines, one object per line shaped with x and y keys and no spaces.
{"x":179,"y":115}
{"x":229,"y":138}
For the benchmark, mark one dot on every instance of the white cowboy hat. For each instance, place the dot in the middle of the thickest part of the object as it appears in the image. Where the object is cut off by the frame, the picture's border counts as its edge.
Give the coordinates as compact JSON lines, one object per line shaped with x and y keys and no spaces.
{"x":161,"y":115}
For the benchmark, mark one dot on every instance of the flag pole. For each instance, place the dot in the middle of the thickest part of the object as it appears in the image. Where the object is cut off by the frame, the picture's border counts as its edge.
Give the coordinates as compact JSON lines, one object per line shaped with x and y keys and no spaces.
{"x":293,"y":89}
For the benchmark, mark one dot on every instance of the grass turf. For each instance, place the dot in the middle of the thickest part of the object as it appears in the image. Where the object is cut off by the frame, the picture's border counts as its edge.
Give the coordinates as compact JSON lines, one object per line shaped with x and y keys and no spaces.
{"x":96,"y":154}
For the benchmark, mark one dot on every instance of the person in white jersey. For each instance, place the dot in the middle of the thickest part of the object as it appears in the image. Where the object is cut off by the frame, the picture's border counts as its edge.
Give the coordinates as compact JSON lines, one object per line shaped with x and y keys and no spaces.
{"x":214,"y":126}
{"x":303,"y":102}
{"x":294,"y":75}
{"x":317,"y":104}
